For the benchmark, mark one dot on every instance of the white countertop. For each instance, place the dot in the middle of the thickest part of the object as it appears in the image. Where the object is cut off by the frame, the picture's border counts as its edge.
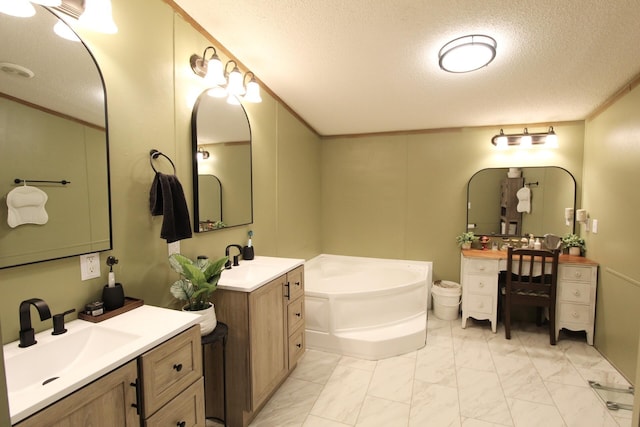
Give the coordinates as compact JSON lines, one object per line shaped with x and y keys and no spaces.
{"x":144,"y":328}
{"x":250,"y":275}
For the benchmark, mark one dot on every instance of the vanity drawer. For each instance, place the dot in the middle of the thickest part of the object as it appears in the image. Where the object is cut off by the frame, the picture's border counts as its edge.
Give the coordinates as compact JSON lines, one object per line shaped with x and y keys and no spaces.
{"x":295,"y":315}
{"x":477,"y":266}
{"x":478,"y":303}
{"x":575,"y":292}
{"x":170,"y":368}
{"x":295,"y":278}
{"x":187,"y":408}
{"x":575,"y":273}
{"x":479,"y":284}
{"x":574,"y":313}
{"x":296,"y":346}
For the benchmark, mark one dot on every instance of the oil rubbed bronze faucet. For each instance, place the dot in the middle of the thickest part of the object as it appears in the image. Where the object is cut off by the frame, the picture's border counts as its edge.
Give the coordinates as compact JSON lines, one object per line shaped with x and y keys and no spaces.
{"x":235,"y":257}
{"x":27,"y":335}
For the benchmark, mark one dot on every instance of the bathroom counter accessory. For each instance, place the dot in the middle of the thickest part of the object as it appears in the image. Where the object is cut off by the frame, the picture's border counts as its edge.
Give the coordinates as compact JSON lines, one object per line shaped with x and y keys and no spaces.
{"x":129,"y":304}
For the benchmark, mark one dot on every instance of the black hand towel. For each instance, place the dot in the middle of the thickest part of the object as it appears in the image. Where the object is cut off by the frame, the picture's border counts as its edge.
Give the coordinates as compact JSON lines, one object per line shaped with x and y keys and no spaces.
{"x":167,"y":198}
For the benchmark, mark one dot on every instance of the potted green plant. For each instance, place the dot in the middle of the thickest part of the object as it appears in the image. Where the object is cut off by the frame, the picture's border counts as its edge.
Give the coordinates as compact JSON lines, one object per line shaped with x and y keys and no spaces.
{"x":199,"y":280}
{"x":466,"y":239}
{"x":575,"y":243}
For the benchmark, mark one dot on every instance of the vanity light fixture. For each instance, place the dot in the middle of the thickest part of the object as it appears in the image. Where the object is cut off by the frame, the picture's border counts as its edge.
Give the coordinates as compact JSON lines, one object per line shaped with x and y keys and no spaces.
{"x":467,"y":53}
{"x":525,"y":139}
{"x":226,"y":81}
{"x":202,"y":154}
{"x":93,"y":14}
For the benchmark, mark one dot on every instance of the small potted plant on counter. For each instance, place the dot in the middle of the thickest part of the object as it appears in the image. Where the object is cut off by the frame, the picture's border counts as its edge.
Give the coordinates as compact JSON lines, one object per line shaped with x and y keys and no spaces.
{"x":466,"y":239}
{"x":199,"y":280}
{"x":575,"y":243}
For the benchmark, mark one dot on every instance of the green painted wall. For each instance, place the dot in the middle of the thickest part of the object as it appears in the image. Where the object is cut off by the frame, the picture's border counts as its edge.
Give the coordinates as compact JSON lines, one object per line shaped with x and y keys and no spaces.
{"x":611,"y":173}
{"x":404,"y":196}
{"x":150,"y":92}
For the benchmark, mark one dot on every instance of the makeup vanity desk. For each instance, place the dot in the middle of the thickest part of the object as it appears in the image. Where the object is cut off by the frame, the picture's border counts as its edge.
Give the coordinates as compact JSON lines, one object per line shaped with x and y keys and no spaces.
{"x":576,"y":291}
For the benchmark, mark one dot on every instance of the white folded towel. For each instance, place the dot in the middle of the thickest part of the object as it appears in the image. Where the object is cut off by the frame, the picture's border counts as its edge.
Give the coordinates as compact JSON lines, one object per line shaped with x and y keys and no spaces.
{"x":524,"y":200}
{"x":26,"y":206}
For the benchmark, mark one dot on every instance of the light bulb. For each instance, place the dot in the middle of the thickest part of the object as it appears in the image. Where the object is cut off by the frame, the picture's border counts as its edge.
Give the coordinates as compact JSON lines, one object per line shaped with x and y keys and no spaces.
{"x":17,"y":8}
{"x":215,"y":72}
{"x":253,"y":92}
{"x":235,"y":86}
{"x":97,"y":16}
{"x":525,"y":140}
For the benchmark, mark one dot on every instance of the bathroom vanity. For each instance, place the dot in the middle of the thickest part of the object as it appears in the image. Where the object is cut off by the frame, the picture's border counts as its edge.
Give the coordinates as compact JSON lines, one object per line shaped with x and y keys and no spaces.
{"x":262,"y":303}
{"x":143,"y":367}
{"x":576,"y":291}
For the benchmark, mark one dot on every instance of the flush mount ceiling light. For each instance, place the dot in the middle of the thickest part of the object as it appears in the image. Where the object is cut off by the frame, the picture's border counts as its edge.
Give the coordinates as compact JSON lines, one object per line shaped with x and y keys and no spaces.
{"x":467,"y":53}
{"x":526,"y":139}
{"x":225,"y":81}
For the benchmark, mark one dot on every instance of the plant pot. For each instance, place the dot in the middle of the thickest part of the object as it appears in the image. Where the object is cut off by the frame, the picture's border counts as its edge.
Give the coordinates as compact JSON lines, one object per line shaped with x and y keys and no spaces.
{"x":466,"y":245}
{"x":574,"y":250}
{"x":208,"y":320}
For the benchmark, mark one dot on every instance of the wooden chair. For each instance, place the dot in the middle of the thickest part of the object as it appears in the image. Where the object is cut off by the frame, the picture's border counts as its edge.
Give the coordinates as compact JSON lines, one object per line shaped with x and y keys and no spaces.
{"x":532,"y":277}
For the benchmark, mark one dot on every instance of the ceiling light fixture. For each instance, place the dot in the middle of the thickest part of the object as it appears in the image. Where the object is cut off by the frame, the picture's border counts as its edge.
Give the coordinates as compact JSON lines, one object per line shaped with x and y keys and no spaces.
{"x":226,"y":81}
{"x":526,"y":139}
{"x":467,"y":53}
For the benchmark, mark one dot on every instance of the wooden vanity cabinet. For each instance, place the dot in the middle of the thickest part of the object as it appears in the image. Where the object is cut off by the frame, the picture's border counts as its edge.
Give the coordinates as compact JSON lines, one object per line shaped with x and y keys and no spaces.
{"x":105,"y":402}
{"x":264,"y":326}
{"x":162,"y":387}
{"x":170,"y":378}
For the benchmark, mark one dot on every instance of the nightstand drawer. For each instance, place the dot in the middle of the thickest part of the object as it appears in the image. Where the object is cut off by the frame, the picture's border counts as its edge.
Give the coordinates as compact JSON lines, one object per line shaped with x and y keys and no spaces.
{"x":478,"y":303}
{"x":576,"y":273}
{"x":479,"y":284}
{"x":574,"y":313}
{"x":575,"y":292}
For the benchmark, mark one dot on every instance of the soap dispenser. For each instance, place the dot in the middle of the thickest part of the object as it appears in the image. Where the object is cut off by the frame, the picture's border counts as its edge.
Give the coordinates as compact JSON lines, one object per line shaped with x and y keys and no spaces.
{"x":112,"y":293}
{"x":247,"y":251}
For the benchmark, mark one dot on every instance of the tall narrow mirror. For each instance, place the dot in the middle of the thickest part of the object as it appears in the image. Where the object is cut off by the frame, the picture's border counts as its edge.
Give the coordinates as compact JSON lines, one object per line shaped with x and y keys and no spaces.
{"x":53,"y":143}
{"x":222,"y":184}
{"x":518,"y":201}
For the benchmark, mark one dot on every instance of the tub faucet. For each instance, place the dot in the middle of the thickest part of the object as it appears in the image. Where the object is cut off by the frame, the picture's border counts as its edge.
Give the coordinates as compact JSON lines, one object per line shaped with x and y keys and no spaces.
{"x":27,"y":335}
{"x":236,"y":258}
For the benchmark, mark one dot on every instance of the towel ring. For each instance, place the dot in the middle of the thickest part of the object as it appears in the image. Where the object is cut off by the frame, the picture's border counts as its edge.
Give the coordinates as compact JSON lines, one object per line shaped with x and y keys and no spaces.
{"x":154,"y":154}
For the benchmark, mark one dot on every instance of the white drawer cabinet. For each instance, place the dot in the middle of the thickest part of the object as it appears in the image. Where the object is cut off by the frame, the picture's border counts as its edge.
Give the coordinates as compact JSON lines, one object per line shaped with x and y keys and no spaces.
{"x":576,"y":292}
{"x":576,"y":299}
{"x":479,"y":280}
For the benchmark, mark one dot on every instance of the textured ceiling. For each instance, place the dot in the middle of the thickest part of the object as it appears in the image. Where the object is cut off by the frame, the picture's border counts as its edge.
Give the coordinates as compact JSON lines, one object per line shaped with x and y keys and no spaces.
{"x":361,"y":66}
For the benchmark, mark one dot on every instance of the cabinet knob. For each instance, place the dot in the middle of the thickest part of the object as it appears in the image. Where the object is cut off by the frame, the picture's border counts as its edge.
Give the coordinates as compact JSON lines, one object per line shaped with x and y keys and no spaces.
{"x":481,"y":285}
{"x":299,"y":345}
{"x":576,"y":293}
{"x":298,"y":314}
{"x":181,"y":423}
{"x":481,"y":268}
{"x":178,"y":367}
{"x":575,"y":315}
{"x":577,"y":274}
{"x":297,"y":284}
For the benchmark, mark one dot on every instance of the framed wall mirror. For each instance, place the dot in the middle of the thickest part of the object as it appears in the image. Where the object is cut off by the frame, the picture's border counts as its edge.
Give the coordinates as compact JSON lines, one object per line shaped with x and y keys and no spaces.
{"x":498,"y":205}
{"x":222,"y":178}
{"x":54,"y":128}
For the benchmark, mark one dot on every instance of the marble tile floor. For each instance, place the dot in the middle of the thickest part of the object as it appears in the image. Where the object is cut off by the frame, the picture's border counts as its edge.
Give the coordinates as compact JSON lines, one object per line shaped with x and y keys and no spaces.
{"x":463,"y":377}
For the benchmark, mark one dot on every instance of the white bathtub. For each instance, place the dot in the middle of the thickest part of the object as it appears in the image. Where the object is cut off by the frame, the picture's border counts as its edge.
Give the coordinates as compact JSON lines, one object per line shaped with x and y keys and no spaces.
{"x":366,"y":307}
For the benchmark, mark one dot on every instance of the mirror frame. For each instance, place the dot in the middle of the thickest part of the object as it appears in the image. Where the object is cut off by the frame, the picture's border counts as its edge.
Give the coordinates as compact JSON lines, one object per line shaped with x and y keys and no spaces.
{"x":109,"y":221}
{"x":194,"y":168}
{"x":575,"y":190}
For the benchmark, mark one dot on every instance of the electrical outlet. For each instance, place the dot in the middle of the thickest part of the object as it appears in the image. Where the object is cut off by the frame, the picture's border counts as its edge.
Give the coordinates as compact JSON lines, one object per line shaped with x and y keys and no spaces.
{"x":90,"y":266}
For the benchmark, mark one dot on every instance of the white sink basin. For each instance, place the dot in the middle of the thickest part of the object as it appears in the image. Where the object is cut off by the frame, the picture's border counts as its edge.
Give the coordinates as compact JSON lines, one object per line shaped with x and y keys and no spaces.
{"x":39,"y":365}
{"x":58,"y":365}
{"x":250,"y":275}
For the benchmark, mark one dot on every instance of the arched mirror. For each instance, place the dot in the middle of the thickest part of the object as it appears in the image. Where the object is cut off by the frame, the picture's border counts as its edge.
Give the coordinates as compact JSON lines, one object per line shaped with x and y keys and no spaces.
{"x":53,"y":137}
{"x":222,"y":186}
{"x":518,"y":201}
